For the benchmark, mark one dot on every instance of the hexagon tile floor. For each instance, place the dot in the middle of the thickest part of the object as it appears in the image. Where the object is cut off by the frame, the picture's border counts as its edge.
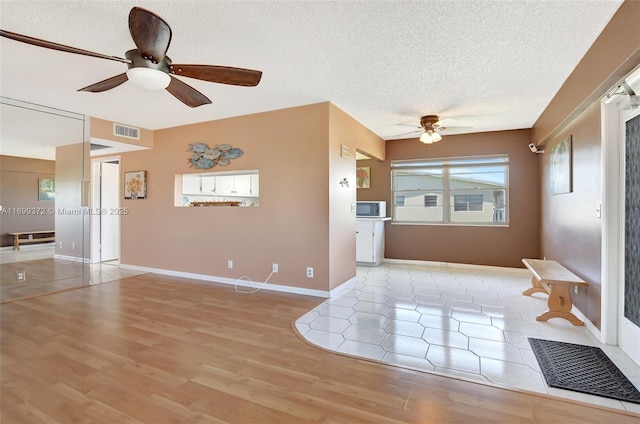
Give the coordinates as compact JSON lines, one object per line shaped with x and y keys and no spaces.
{"x":467,"y":322}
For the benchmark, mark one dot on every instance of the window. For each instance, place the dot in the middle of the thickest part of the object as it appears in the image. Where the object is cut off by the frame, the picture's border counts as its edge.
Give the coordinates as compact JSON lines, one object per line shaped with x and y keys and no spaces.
{"x":430,"y":201}
{"x":468,"y":202}
{"x":470,"y":191}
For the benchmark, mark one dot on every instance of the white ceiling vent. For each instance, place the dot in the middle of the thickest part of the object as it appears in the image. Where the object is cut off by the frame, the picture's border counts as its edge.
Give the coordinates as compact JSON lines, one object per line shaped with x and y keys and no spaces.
{"x":125,"y":131}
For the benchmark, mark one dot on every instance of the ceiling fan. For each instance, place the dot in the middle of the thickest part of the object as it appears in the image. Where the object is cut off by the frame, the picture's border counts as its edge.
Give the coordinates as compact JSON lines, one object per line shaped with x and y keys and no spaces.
{"x":431,"y":127}
{"x":149,"y":65}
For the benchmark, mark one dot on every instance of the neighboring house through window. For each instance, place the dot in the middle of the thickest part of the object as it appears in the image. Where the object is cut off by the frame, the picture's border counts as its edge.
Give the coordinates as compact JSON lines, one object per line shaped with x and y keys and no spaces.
{"x":468,"y":190}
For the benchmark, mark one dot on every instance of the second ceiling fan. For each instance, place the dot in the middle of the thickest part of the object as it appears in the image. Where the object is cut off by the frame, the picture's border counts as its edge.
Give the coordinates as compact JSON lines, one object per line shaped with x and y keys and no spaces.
{"x":149,"y":65}
{"x":432,"y":126}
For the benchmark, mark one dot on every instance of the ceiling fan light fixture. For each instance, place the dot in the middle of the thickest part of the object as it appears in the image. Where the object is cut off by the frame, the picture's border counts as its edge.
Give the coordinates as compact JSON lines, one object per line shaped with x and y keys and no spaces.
{"x":152,"y":79}
{"x":429,"y":137}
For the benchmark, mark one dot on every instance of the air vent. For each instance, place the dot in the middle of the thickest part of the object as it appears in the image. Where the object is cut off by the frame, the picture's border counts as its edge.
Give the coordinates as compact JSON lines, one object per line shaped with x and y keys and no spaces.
{"x":125,"y":131}
{"x":95,"y":146}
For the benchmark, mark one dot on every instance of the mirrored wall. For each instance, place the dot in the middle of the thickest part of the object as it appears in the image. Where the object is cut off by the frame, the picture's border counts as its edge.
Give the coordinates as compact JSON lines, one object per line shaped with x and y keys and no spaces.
{"x":44,"y":190}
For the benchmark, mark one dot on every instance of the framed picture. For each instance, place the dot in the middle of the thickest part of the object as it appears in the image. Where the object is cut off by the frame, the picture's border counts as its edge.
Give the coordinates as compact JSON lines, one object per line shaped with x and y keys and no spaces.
{"x":561,"y":180}
{"x":363,"y":177}
{"x":135,"y":185}
{"x":46,"y":189}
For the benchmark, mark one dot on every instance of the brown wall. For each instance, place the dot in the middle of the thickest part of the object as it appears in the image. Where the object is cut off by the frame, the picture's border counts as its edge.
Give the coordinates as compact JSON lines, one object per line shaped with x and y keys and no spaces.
{"x":19,"y":189}
{"x":611,"y":57}
{"x":571,"y":232}
{"x":498,"y":246}
{"x":291,"y":226}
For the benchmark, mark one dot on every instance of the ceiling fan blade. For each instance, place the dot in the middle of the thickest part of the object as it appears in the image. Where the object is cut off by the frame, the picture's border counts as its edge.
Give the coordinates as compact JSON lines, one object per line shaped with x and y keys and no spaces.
{"x":150,"y":33}
{"x":55,"y":46}
{"x":455,"y":130}
{"x":187,"y":94}
{"x":411,"y":132}
{"x":445,"y":122}
{"x":107,"y":84}
{"x":219,"y":74}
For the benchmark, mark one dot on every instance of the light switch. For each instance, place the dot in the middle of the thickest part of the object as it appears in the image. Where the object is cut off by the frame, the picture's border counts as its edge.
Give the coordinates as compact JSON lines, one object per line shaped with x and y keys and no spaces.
{"x":598,"y":210}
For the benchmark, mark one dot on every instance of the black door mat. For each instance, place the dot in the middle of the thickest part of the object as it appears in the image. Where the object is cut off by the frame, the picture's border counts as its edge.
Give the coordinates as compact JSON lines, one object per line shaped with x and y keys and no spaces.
{"x":585,"y":369}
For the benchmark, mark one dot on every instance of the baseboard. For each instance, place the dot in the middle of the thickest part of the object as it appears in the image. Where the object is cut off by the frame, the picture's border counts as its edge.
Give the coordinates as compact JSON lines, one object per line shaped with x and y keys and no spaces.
{"x":587,"y":323}
{"x":30,"y":246}
{"x":233,"y":281}
{"x":451,"y":265}
{"x":347,"y":285}
{"x":72,"y":258}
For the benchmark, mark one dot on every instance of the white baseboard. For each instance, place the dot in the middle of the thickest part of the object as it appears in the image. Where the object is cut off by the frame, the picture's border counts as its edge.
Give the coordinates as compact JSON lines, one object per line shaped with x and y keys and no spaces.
{"x":71,"y":258}
{"x":234,"y":281}
{"x":450,"y":265}
{"x":587,"y":323}
{"x":30,"y":246}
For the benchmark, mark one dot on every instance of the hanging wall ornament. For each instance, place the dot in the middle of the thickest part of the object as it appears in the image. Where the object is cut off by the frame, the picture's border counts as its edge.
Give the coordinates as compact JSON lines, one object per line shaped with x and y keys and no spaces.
{"x":203,"y":157}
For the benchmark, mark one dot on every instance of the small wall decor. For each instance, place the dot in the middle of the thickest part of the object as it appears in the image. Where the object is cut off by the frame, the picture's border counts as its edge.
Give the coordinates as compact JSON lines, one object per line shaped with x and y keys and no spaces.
{"x":203,"y":157}
{"x":135,"y":185}
{"x":344,"y":151}
{"x":363,"y":177}
{"x":46,"y":189}
{"x":561,"y":167}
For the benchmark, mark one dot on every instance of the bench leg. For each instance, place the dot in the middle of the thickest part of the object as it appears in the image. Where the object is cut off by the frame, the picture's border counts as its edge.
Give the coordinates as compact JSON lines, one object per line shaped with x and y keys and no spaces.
{"x":560,"y":305}
{"x":536,"y":287}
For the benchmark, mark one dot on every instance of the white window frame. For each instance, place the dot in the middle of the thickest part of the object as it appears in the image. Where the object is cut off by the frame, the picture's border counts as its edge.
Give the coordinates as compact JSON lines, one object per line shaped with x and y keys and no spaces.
{"x":445,"y":165}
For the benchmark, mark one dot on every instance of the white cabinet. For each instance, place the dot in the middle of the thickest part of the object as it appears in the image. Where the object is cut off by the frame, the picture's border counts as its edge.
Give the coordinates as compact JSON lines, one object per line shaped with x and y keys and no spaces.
{"x":370,"y":241}
{"x":255,"y":184}
{"x":190,"y":184}
{"x":208,"y":185}
{"x":236,"y":185}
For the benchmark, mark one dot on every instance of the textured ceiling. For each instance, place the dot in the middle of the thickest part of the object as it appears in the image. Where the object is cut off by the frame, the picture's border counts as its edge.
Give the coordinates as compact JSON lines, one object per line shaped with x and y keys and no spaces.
{"x":492,"y":65}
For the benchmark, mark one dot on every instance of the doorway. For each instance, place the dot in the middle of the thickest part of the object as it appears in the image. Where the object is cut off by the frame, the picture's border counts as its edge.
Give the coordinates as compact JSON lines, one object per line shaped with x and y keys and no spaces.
{"x":621,"y":213}
{"x":629,"y":308}
{"x":105,"y":217}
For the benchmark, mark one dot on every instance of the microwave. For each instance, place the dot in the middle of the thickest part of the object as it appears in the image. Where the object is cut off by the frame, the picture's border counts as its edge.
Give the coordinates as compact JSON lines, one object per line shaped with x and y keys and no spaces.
{"x":371,"y":209}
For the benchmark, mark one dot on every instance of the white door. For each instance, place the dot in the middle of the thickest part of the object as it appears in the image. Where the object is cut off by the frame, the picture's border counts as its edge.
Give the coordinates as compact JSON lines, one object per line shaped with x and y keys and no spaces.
{"x":109,"y":216}
{"x":629,"y":306}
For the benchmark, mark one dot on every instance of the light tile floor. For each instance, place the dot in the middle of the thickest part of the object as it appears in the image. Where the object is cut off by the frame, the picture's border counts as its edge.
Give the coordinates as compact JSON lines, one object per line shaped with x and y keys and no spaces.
{"x":471,"y":323}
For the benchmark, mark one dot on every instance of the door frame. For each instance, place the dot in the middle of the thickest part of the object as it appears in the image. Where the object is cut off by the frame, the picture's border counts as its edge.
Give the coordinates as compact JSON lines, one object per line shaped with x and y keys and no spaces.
{"x":613,"y":215}
{"x":95,"y":201}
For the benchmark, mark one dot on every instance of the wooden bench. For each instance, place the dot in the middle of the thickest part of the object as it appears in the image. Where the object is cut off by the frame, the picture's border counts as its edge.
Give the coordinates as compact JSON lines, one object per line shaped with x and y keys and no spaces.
{"x":552,"y":278}
{"x":18,"y":240}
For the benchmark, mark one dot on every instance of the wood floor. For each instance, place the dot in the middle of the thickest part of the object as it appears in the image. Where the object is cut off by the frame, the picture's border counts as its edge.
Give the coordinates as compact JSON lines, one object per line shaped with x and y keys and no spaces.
{"x":155,"y":349}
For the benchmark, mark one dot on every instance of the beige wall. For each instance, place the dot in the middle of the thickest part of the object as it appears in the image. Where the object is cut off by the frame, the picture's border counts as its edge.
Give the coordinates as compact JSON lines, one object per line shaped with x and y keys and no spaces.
{"x":499,"y":246}
{"x":72,"y":225}
{"x":101,"y":128}
{"x":292,"y":226}
{"x":344,"y":130}
{"x":19,"y":189}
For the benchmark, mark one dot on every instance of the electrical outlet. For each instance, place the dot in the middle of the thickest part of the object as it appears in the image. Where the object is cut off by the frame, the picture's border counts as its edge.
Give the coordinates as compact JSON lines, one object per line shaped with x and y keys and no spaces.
{"x":274,"y":268}
{"x":73,"y":246}
{"x":230,"y":264}
{"x":21,"y":276}
{"x":309,"y":272}
{"x":60,"y":245}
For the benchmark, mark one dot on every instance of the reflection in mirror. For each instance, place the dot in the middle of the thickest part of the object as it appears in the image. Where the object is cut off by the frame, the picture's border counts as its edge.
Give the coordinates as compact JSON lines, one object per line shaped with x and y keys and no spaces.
{"x":43,"y":230}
